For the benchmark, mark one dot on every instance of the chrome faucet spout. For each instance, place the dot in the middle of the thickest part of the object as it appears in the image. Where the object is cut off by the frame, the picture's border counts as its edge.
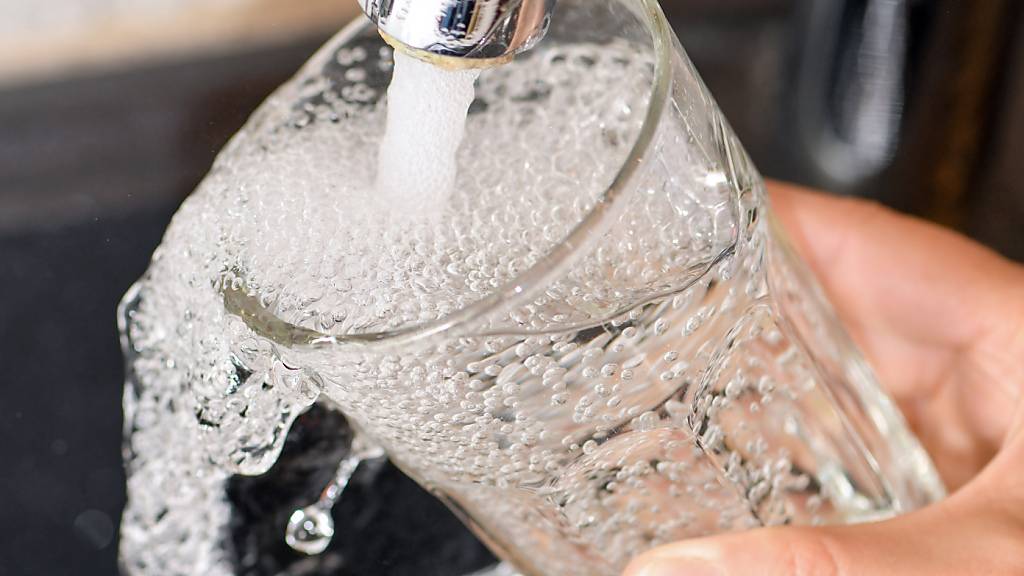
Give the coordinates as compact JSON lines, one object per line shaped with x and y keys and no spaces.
{"x":461,"y":33}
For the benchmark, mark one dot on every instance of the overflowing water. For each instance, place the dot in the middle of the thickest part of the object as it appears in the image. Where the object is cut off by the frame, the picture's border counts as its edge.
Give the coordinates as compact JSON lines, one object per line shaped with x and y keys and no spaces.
{"x":288,"y":226}
{"x":645,"y":391}
{"x":311,"y":529}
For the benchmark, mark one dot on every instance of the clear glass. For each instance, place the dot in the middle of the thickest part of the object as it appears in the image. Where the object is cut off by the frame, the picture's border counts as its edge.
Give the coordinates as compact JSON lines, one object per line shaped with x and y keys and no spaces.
{"x":659,"y":365}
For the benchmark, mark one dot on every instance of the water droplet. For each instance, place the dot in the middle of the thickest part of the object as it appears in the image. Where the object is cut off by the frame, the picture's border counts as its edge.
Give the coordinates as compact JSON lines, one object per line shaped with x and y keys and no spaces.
{"x":96,"y":527}
{"x":310,"y":530}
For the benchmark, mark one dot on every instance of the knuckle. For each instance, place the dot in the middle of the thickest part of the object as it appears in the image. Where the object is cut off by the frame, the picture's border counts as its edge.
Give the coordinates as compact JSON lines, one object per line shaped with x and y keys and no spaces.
{"x":1011,"y":545}
{"x":861,"y":216}
{"x":809,"y":553}
{"x":868,"y":211}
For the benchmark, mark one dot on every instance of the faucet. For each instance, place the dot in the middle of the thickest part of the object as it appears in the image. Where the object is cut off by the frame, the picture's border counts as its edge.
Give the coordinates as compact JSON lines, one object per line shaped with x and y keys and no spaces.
{"x":461,"y":33}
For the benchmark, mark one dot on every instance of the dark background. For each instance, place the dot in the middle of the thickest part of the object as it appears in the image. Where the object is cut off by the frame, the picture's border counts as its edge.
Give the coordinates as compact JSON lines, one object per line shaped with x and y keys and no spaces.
{"x":93,"y":165}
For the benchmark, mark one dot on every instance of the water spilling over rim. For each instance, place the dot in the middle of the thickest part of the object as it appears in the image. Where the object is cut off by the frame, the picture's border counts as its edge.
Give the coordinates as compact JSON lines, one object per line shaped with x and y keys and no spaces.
{"x":597,"y":222}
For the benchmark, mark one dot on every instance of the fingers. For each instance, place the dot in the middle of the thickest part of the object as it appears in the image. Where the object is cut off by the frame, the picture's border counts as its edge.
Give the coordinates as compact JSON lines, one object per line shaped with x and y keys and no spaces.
{"x":977,"y":531}
{"x":941,"y":317}
{"x":919,"y":281}
{"x":935,"y":310}
{"x":943,"y":540}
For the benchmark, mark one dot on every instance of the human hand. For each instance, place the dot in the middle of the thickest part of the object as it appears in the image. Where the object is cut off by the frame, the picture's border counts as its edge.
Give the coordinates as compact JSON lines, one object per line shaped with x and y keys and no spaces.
{"x":942,"y":320}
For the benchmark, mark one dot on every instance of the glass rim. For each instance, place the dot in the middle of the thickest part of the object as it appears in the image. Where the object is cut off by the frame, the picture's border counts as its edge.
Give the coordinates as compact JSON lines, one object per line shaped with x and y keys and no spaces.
{"x":557,"y":261}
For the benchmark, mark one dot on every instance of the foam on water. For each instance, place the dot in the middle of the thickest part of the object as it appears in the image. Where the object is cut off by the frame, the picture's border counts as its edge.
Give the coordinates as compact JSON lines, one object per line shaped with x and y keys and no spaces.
{"x":306,"y":234}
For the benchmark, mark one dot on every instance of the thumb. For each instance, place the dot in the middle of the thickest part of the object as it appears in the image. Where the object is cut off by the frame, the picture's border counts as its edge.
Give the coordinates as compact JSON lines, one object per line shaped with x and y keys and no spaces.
{"x":954,"y":538}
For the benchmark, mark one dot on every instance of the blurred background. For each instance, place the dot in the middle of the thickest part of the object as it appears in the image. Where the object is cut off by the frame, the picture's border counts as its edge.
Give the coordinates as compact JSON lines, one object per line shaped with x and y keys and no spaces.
{"x":112,"y":110}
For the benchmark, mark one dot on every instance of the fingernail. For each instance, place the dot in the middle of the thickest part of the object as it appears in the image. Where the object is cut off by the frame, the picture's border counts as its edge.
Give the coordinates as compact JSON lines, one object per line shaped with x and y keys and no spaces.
{"x":680,"y":566}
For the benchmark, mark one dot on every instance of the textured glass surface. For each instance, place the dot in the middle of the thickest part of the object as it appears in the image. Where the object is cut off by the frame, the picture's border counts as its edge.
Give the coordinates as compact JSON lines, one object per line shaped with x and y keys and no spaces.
{"x":597,"y":344}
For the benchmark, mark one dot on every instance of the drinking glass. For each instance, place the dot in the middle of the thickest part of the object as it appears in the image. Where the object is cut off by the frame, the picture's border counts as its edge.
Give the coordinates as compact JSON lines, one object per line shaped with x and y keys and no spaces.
{"x":667,"y":369}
